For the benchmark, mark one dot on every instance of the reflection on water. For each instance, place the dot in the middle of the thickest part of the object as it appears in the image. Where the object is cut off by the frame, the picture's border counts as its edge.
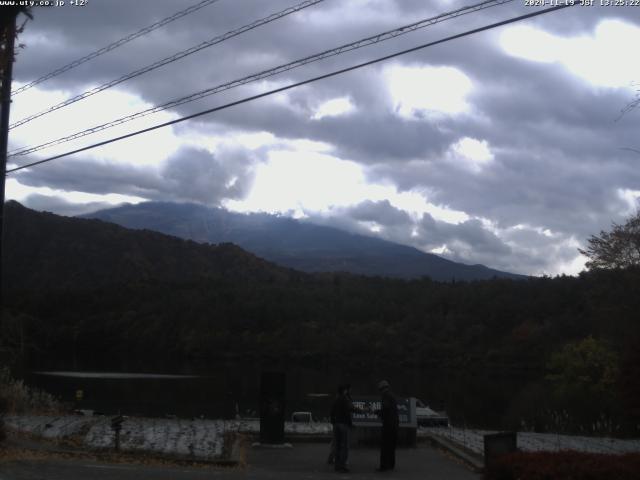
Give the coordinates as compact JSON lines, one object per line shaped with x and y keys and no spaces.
{"x":119,"y":375}
{"x":228,"y":390}
{"x":144,"y":394}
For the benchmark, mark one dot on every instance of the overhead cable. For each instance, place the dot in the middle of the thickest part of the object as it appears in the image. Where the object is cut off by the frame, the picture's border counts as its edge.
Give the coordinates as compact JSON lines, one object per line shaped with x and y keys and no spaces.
{"x":116,"y":44}
{"x":298,"y":84}
{"x":170,"y":59}
{"x":631,"y":105}
{"x":267,"y":73}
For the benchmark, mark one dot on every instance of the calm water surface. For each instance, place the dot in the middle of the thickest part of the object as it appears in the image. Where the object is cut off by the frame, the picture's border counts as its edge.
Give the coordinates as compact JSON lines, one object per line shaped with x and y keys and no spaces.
{"x":235,"y":389}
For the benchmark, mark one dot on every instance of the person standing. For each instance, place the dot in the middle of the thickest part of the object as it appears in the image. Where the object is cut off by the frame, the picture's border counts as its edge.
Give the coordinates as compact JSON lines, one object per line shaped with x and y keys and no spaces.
{"x":331,"y":459}
{"x":342,"y":423}
{"x":390,"y":424}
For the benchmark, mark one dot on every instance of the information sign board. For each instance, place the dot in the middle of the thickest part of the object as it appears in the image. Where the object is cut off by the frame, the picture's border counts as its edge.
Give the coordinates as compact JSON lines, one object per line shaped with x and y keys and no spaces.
{"x":406,"y":412}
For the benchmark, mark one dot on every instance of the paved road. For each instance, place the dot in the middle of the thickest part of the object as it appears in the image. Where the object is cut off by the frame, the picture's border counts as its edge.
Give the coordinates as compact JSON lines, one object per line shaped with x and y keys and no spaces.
{"x":303,"y":461}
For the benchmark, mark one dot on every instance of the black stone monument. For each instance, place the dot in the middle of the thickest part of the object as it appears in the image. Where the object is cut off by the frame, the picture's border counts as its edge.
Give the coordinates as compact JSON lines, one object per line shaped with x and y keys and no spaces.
{"x":272,"y":396}
{"x":497,"y":444}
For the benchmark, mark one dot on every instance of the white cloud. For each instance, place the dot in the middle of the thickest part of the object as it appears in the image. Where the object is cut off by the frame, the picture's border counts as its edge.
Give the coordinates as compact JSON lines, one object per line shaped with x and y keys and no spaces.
{"x":530,"y":43}
{"x":256,"y":140}
{"x":631,"y":198}
{"x":306,"y":180}
{"x":16,"y":191}
{"x":570,"y":267}
{"x":471,"y":153}
{"x":373,"y":227}
{"x":417,"y":204}
{"x":597,"y":59}
{"x":314,"y":182}
{"x":442,"y":250}
{"x":416,"y":91}
{"x":333,"y":108}
{"x":150,"y":148}
{"x":303,"y":144}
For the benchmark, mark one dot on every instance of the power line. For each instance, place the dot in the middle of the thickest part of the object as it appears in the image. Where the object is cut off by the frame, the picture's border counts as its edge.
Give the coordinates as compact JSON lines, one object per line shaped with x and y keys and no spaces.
{"x":633,"y":104}
{"x":298,"y":84}
{"x":171,"y":59}
{"x":267,"y":73}
{"x":116,"y":44}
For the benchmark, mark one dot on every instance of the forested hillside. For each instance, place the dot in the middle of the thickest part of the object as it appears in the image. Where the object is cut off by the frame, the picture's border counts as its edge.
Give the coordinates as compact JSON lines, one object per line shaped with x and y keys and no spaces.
{"x":84,"y":287}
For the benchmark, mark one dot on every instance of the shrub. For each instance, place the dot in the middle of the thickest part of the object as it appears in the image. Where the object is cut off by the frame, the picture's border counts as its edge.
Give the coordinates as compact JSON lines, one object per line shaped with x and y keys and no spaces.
{"x":20,"y":398}
{"x":564,"y":465}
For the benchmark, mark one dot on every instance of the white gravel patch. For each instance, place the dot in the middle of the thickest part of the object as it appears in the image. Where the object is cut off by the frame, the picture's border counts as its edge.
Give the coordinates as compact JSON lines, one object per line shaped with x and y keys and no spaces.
{"x":48,"y":426}
{"x":198,"y":439}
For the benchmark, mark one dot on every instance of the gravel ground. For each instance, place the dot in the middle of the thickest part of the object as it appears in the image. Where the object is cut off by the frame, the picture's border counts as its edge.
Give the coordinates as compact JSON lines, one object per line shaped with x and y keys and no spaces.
{"x":200,"y":439}
{"x":196,"y":439}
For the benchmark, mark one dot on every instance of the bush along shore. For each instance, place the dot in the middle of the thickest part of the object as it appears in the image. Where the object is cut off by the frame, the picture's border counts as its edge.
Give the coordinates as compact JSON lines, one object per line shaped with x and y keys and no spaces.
{"x":565,"y":464}
{"x":18,"y":398}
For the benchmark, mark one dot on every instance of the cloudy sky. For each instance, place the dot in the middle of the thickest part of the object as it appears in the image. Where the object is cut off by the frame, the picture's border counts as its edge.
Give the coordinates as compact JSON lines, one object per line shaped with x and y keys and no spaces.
{"x":504,"y":148}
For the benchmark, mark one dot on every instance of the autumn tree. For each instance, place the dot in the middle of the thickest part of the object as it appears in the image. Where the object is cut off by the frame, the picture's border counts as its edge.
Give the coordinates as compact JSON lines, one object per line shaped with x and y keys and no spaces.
{"x":583,"y":377}
{"x":617,"y":248}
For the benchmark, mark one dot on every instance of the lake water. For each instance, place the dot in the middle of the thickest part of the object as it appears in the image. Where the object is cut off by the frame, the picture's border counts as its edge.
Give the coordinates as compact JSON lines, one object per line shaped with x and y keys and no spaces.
{"x":234,"y":388}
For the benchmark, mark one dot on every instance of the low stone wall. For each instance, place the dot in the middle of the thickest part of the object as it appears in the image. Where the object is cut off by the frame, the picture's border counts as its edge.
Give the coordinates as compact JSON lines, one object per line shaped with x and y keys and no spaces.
{"x":473,"y":440}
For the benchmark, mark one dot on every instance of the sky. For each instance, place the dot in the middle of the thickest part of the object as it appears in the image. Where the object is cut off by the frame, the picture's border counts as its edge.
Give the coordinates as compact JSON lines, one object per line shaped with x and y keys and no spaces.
{"x":505,"y":148}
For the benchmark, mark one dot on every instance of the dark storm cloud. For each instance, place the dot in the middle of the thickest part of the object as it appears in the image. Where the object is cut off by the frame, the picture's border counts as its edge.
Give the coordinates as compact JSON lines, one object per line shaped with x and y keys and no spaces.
{"x":467,"y":242}
{"x":199,"y":176}
{"x":558,"y":161}
{"x":359,"y":136}
{"x":470,"y":233}
{"x":93,"y":177}
{"x":425,"y":232}
{"x":560,"y":173}
{"x":315,"y":30}
{"x":189,"y":175}
{"x":396,"y":225}
{"x":81,"y":31}
{"x":380,"y":212}
{"x":374,"y":134}
{"x":521,"y":250}
{"x":557,"y":158}
{"x":543,"y":189}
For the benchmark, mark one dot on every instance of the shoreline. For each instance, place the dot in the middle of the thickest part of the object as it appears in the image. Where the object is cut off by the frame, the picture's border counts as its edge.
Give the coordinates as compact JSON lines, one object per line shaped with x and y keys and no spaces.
{"x":221,"y":441}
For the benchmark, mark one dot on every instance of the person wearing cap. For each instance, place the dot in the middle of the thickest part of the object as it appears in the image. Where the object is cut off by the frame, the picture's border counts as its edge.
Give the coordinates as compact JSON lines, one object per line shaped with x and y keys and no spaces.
{"x":342,"y":423}
{"x":390,"y":423}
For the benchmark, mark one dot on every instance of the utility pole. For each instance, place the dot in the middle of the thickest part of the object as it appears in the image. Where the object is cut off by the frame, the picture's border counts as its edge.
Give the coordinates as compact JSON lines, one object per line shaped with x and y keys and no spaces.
{"x":7,"y":53}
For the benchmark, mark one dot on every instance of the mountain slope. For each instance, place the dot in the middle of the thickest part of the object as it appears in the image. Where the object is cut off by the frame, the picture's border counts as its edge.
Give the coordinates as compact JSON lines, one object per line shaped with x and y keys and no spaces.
{"x":295,"y":244}
{"x":47,"y":251}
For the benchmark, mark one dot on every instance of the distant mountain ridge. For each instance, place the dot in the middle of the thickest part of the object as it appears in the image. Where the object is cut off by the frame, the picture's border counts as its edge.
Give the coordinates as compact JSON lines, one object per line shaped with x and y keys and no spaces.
{"x":292,"y":243}
{"x":46,"y":252}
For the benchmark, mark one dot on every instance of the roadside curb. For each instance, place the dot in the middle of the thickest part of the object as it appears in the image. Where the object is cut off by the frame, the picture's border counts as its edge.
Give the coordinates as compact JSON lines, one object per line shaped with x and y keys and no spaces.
{"x":472,"y":460}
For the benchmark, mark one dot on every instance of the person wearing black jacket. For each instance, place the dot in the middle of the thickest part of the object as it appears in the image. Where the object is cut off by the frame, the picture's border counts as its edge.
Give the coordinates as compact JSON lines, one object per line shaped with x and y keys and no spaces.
{"x":342,"y":423}
{"x":390,"y":423}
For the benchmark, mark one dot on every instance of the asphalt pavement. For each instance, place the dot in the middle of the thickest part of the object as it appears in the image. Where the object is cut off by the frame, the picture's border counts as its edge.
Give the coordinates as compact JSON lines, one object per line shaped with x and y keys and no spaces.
{"x":303,"y":461}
